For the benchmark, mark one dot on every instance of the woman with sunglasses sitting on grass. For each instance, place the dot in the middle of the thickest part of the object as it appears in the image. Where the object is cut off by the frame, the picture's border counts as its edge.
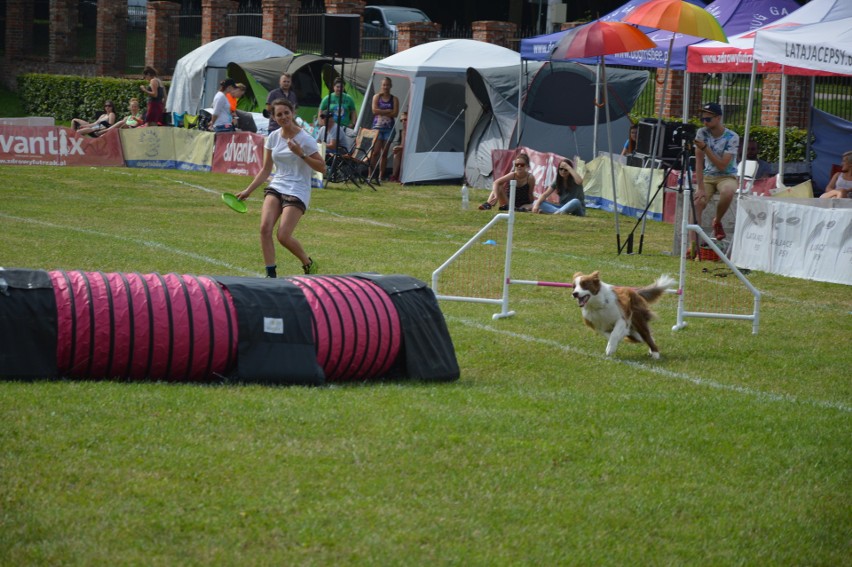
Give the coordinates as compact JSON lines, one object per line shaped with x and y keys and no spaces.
{"x":100,"y":124}
{"x":569,"y":188}
{"x":523,"y":190}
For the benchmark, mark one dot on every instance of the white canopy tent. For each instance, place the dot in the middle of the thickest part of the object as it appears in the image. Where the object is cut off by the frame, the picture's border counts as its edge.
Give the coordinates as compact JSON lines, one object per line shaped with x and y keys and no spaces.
{"x":826,"y":46}
{"x":820,"y":48}
{"x":198,"y":73}
{"x":737,"y":56}
{"x":430,"y":82}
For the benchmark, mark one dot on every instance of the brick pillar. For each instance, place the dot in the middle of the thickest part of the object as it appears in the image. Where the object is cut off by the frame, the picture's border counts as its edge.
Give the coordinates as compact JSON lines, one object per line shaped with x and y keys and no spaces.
{"x":673,"y":105}
{"x":215,"y":22}
{"x":345,"y":7}
{"x":798,"y":95}
{"x":281,"y":22}
{"x":496,"y":33}
{"x":63,"y":33}
{"x":161,"y":36}
{"x":111,"y":37}
{"x":19,"y":28}
{"x":410,"y":34}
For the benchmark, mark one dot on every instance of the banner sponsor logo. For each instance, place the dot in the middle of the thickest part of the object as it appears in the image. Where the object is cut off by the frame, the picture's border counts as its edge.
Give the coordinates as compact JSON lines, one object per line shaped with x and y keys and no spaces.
{"x":53,"y":143}
{"x":817,"y":53}
{"x":241,"y":151}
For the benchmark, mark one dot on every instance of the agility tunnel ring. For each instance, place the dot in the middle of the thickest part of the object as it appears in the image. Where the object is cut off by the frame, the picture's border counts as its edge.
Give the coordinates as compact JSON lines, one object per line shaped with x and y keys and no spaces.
{"x":184,"y":328}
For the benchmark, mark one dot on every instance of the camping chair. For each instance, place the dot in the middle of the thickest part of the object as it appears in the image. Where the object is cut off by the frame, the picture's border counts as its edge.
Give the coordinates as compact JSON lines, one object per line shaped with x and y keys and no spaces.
{"x":355,"y":165}
{"x":750,"y":168}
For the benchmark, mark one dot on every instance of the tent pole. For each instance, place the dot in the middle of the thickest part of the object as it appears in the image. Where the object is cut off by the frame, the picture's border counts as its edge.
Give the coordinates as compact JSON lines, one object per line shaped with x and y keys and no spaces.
{"x":605,"y":100}
{"x":656,"y":135}
{"x":597,"y":113}
{"x":782,"y":130}
{"x":747,"y":130}
{"x":810,"y":125}
{"x":684,"y":115}
{"x":520,"y":99}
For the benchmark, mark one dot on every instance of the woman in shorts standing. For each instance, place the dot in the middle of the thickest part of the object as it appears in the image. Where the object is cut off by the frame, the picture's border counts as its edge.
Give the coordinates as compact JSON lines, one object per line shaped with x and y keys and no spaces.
{"x":385,"y":109}
{"x":295,"y":155}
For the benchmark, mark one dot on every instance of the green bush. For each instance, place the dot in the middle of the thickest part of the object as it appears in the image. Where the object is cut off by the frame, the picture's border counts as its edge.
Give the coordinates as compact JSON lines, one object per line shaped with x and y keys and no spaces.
{"x":67,"y":96}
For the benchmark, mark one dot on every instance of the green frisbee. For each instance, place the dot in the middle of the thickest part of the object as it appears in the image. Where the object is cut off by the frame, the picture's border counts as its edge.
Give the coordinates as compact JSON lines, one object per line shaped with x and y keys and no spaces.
{"x":232,"y":201}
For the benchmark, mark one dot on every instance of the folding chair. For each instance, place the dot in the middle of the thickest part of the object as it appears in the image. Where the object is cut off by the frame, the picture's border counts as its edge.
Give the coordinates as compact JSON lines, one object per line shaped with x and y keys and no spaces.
{"x":355,"y":165}
{"x":750,"y":168}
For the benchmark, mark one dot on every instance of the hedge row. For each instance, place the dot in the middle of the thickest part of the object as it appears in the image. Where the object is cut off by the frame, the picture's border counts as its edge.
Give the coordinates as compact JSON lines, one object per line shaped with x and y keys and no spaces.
{"x":68,"y":96}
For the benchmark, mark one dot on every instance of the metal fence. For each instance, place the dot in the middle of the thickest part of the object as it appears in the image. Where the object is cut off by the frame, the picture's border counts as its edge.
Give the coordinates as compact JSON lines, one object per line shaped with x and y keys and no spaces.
{"x":247,"y":21}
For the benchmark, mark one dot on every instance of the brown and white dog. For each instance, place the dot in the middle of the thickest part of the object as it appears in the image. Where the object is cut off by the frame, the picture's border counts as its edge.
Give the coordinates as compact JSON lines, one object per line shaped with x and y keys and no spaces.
{"x":619,"y":313}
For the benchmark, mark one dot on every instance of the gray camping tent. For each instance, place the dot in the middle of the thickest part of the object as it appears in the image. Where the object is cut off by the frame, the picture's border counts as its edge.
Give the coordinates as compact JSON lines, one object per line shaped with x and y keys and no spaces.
{"x":312,"y":77}
{"x":557,"y":113}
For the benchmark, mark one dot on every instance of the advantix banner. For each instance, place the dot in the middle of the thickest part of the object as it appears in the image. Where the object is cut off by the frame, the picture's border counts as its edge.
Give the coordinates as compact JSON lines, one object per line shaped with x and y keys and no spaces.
{"x":239,"y":153}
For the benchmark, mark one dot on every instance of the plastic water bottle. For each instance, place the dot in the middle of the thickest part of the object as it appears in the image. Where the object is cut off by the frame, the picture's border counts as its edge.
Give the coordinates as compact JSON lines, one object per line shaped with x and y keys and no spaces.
{"x":465,"y":197}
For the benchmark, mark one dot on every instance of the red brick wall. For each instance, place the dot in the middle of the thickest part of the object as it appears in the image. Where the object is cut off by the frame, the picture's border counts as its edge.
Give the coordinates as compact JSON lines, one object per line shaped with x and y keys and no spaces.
{"x":345,"y":7}
{"x":673,"y":105}
{"x":215,"y":22}
{"x":798,"y":99}
{"x":160,"y":51}
{"x":19,"y":25}
{"x":410,"y":34}
{"x":498,"y":33}
{"x":111,"y":39}
{"x":63,"y":35}
{"x":280,"y":22}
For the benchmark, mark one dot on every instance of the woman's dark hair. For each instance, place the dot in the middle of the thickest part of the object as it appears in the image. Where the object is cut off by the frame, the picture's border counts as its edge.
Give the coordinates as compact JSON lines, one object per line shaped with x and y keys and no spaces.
{"x":631,"y":143}
{"x":562,"y":180}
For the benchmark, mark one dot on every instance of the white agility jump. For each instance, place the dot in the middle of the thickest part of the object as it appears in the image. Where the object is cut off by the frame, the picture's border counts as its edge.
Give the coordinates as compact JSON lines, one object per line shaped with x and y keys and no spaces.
{"x":497,"y":293}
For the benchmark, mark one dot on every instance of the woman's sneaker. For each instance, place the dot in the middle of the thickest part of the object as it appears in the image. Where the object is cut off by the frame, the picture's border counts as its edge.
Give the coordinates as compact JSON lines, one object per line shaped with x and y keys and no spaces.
{"x":311,"y":268}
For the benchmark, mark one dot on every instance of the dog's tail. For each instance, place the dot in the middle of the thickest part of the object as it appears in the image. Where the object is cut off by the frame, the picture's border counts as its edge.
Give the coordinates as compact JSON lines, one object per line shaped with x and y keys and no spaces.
{"x":653,"y":292}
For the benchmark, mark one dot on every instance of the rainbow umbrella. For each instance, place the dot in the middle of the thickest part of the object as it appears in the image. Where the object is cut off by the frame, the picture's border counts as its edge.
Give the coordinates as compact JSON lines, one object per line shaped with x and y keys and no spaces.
{"x":679,"y":17}
{"x":601,"y":38}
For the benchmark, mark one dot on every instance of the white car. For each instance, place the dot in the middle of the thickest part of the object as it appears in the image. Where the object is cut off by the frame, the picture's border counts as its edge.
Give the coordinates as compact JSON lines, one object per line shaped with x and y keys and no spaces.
{"x":380,"y":23}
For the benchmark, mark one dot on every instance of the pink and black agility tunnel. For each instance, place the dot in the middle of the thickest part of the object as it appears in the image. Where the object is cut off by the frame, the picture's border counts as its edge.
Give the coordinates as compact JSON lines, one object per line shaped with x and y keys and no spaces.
{"x":296,"y":330}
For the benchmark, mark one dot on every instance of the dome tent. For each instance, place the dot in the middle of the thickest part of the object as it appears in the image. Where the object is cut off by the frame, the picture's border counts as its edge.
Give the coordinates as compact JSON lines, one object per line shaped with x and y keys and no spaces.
{"x":430,"y":82}
{"x":198,"y":73}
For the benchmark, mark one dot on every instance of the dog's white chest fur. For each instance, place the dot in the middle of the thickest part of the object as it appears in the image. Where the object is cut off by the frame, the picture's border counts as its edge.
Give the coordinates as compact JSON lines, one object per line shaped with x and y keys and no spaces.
{"x":603,"y":310}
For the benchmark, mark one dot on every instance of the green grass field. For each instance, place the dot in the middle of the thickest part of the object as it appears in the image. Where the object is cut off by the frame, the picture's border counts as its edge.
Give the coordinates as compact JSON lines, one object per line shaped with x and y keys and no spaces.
{"x":732,"y":449}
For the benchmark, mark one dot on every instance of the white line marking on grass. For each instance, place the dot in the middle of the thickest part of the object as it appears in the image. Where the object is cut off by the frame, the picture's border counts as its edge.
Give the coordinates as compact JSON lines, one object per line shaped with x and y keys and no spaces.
{"x":193,"y":185}
{"x":146,"y":243}
{"x":360,"y":219}
{"x":698,"y":381}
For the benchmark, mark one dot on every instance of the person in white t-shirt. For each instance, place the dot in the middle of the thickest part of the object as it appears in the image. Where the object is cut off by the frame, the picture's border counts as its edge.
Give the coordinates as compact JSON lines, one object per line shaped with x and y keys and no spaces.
{"x":223,"y":119}
{"x":295,"y":155}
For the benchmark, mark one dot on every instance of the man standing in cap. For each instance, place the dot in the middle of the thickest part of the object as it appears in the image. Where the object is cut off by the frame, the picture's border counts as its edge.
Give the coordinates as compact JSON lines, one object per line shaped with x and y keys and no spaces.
{"x":715,"y":165}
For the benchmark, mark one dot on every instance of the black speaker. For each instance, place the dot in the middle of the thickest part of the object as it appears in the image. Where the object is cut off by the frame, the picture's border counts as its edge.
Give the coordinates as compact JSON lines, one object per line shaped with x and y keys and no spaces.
{"x":645,"y":136}
{"x":341,"y":36}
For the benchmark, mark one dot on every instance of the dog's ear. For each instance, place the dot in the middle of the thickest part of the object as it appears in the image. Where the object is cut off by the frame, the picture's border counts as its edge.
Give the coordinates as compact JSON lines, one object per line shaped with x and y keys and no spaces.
{"x":596,"y":275}
{"x":576,"y":275}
